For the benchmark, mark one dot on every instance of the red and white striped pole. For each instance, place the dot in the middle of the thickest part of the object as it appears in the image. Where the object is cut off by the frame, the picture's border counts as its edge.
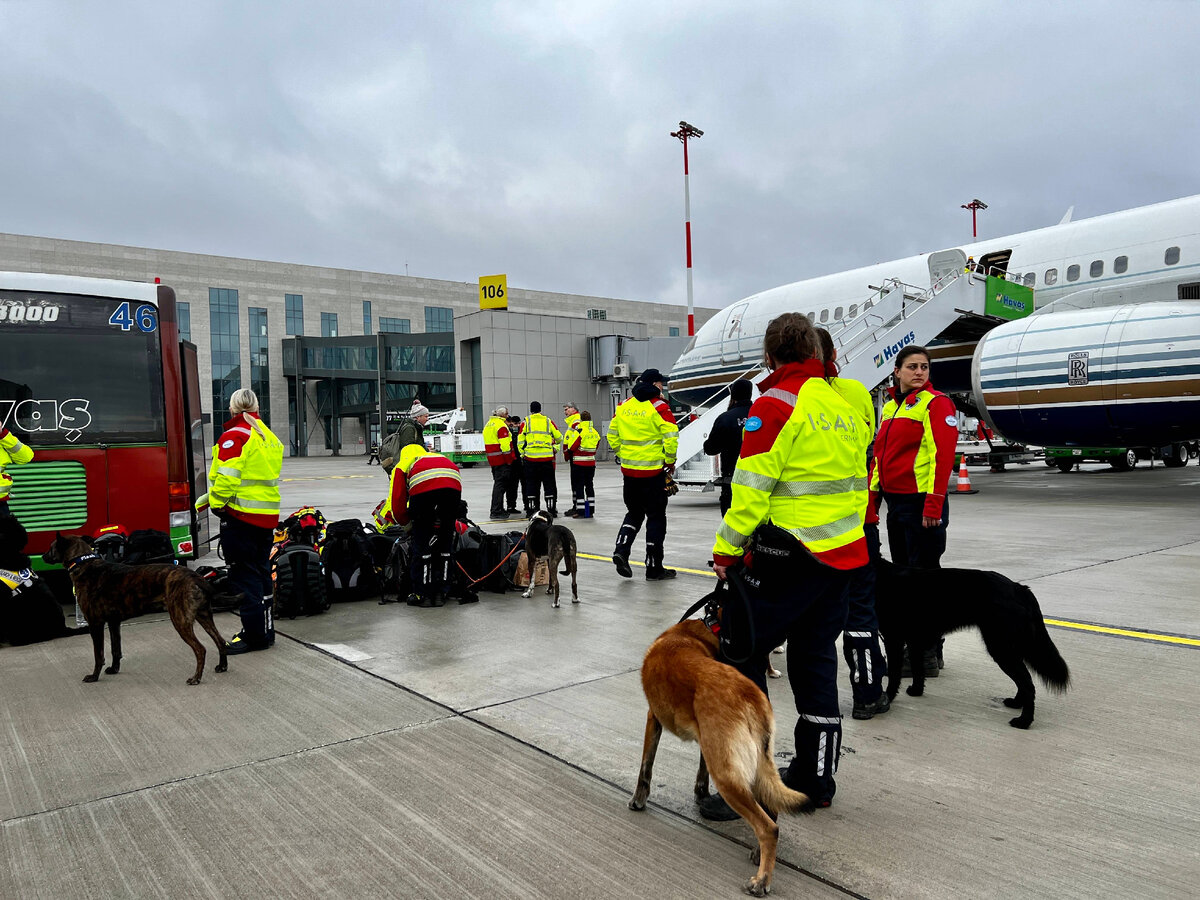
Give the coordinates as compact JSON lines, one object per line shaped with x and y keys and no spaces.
{"x":685,"y":131}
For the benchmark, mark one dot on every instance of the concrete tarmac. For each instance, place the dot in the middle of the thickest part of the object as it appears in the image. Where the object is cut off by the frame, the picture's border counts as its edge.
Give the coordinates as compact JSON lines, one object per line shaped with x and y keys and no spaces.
{"x":489,"y":750}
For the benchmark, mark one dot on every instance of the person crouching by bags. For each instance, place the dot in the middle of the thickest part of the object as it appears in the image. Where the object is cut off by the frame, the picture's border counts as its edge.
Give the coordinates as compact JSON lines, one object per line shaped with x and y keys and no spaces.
{"x":244,"y":495}
{"x":801,"y":476}
{"x":426,"y":490}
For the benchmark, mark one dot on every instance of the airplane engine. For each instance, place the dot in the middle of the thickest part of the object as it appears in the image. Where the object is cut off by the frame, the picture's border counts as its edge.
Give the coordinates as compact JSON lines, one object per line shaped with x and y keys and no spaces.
{"x":1114,"y":376}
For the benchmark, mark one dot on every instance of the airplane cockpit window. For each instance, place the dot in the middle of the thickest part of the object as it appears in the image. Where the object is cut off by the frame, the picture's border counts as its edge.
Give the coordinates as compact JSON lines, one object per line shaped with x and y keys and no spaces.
{"x":1170,"y":258}
{"x":1097,"y":268}
{"x":837,"y":313}
{"x":1120,"y":264}
{"x":1072,"y":273}
{"x":853,"y":310}
{"x":824,"y":316}
{"x":1029,"y":279}
{"x":1051,"y":276}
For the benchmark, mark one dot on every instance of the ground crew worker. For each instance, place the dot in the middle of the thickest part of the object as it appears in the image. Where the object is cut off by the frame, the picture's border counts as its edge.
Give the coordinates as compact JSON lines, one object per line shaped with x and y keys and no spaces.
{"x":498,"y":445}
{"x":411,"y":431}
{"x":802,"y":470}
{"x":581,"y":443}
{"x":426,"y":490}
{"x":643,"y":434}
{"x":539,"y":441}
{"x":725,"y":439}
{"x":11,"y":451}
{"x":914,"y":456}
{"x":860,"y":640}
{"x":373,"y":455}
{"x":517,"y":478}
{"x":244,"y":494}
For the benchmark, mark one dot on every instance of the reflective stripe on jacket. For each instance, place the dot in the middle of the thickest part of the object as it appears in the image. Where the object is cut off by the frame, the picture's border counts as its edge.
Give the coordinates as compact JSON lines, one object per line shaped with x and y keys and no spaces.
{"x":802,"y":467}
{"x":644,"y":434}
{"x":417,"y":472}
{"x":915,"y":447}
{"x":11,"y":451}
{"x":244,"y":476}
{"x":582,"y":443}
{"x":539,"y":437}
{"x":497,"y":442}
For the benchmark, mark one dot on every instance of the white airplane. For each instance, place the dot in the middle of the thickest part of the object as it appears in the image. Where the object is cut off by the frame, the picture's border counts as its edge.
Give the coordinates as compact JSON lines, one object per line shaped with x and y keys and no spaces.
{"x":1111,"y":357}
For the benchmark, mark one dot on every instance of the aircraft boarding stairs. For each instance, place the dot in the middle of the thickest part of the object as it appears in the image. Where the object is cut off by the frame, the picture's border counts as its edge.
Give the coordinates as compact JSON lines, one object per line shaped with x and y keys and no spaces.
{"x":896,"y":315}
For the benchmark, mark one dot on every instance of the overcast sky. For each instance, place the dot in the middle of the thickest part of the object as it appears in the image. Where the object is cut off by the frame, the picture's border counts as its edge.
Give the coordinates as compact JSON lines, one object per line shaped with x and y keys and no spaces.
{"x":468,"y":138}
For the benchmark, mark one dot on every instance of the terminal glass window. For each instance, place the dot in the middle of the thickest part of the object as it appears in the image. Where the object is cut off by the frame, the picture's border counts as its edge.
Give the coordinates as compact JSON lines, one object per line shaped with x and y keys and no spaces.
{"x":439,"y":359}
{"x":1072,"y":273}
{"x":183,"y":312}
{"x":388,"y":325}
{"x":1171,"y":256}
{"x":439,"y":318}
{"x":366,"y":317}
{"x":597,"y":313}
{"x":294,"y":310}
{"x":226,"y":353}
{"x":673,"y":331}
{"x":329,"y":325}
{"x":1051,"y":276}
{"x":1120,"y":264}
{"x":260,"y":381}
{"x":1097,"y":268}
{"x":1029,"y":279}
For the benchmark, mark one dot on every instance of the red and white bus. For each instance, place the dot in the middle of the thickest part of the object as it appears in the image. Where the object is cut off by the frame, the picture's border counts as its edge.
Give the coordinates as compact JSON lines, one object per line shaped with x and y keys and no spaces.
{"x":94,"y":377}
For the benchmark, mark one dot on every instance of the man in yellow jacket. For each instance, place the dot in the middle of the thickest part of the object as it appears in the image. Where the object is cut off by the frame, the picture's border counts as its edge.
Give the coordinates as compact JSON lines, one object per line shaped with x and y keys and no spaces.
{"x":538,"y":442}
{"x":244,"y":494}
{"x":644,"y":436}
{"x":498,"y":445}
{"x":11,"y":451}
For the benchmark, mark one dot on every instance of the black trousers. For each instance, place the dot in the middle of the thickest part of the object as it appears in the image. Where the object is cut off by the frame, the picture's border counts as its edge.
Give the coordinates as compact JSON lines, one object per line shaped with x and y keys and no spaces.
{"x":582,"y":484}
{"x":809,"y":612}
{"x":501,"y":475}
{"x":516,"y":479}
{"x":4,"y":512}
{"x":910,"y":542}
{"x":645,"y":501}
{"x":726,"y":498}
{"x":861,"y":646}
{"x":247,"y":550}
{"x":539,"y":477}
{"x":433,"y":514}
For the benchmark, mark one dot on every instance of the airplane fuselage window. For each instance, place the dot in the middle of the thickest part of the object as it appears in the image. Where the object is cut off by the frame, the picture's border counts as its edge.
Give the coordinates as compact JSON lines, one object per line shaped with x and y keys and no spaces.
{"x":1097,"y":268}
{"x":1120,"y":264}
{"x":868,"y":304}
{"x":1029,"y":279}
{"x":1072,"y":273}
{"x":837,"y":313}
{"x":853,"y":310}
{"x":824,"y":315}
{"x":812,"y":317}
{"x":1051,"y":276}
{"x":1171,"y":256}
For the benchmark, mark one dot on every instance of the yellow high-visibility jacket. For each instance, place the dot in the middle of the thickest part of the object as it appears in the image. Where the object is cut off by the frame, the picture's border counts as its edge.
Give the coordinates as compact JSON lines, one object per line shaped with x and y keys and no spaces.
{"x":582,"y":442}
{"x":244,"y":476}
{"x":497,"y":442}
{"x":802,"y":467}
{"x":11,"y":451}
{"x":643,"y":433}
{"x":539,"y":438}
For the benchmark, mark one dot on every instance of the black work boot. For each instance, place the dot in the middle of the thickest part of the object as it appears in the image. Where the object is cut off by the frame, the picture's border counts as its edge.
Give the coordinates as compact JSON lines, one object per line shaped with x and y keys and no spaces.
{"x":870,"y":710}
{"x":654,"y":567}
{"x":622,"y":564}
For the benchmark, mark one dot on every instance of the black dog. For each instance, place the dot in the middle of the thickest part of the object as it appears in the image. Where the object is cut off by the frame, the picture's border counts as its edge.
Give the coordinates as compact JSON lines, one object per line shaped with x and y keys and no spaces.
{"x":555,"y":544}
{"x":29,"y":612}
{"x":110,"y":592}
{"x":918,"y":606}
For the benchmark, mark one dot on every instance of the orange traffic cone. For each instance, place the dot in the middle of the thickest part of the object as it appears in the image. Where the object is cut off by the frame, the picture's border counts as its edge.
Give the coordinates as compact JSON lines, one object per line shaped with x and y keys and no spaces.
{"x":964,"y":479}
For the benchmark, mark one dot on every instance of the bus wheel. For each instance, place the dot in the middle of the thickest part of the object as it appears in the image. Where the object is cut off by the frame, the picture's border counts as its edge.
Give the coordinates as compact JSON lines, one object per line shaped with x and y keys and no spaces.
{"x":1174,"y":455}
{"x":1126,"y":462}
{"x":1065,"y":465}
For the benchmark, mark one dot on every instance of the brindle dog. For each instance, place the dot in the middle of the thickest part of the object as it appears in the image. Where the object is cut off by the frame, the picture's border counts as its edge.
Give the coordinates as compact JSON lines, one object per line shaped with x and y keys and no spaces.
{"x":109,"y":592}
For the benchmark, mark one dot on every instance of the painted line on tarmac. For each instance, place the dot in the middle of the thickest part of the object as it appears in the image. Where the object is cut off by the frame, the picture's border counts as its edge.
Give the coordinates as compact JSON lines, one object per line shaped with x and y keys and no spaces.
{"x":327,"y":477}
{"x":1151,"y":636}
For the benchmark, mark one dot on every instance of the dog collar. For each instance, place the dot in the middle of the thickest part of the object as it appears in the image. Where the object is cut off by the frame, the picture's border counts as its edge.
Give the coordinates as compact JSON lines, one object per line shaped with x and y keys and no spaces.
{"x":79,"y":560}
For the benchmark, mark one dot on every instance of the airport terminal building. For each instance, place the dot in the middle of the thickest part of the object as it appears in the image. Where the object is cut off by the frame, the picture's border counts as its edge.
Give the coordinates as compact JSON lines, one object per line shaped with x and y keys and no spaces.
{"x":338,"y":340}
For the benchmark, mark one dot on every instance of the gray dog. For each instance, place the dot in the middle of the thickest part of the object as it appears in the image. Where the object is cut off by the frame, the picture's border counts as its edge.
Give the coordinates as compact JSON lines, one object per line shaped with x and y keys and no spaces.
{"x":555,"y":544}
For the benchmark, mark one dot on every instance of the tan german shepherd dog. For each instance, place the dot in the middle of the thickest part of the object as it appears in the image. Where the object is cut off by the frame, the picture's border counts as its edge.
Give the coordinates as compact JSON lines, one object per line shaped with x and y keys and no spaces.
{"x":697,"y":698}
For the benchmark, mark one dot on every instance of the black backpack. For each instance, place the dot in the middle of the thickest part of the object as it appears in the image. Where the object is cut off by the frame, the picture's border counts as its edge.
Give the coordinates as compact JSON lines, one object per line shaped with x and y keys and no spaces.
{"x":299,"y":581}
{"x":349,"y":566}
{"x":149,"y":546}
{"x":514,"y":544}
{"x":398,"y":577}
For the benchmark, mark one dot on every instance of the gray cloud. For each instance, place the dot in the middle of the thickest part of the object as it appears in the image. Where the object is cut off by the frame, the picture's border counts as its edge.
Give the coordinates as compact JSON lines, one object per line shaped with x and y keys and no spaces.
{"x":531,"y":138}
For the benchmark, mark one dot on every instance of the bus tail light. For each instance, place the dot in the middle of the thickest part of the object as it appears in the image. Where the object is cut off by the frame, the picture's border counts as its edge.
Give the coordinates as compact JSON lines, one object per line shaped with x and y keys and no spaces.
{"x":179,"y":498}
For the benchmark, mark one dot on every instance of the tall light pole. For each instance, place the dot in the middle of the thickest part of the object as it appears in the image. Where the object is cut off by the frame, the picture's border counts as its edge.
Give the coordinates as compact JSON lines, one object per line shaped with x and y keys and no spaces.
{"x":688,"y":131}
{"x":974,"y":206}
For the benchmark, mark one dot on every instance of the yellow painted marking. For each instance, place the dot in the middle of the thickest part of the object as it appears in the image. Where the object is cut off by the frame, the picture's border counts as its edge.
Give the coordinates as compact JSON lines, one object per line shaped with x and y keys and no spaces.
{"x":1061,"y":623}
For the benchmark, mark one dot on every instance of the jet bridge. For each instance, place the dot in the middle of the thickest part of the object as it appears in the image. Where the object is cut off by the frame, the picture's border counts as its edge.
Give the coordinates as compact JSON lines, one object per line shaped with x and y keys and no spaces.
{"x":894,"y":316}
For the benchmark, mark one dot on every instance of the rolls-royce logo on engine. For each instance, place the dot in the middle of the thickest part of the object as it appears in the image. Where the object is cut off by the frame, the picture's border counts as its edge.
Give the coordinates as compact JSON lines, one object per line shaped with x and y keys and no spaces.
{"x":1077,"y":368}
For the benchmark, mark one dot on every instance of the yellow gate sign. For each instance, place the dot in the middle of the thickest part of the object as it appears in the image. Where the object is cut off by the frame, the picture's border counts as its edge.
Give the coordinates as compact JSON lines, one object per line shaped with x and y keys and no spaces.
{"x":493,"y":292}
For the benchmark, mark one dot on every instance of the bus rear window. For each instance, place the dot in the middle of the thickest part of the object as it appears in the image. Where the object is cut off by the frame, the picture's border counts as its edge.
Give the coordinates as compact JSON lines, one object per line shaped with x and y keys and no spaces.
{"x":80,"y":370}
